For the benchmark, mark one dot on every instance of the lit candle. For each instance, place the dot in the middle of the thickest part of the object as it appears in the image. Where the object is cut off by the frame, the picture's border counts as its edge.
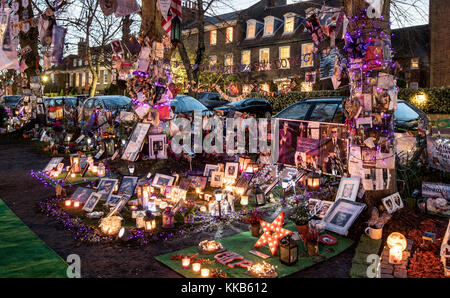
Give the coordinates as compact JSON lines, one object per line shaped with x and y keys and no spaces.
{"x":145,"y":194}
{"x":196,"y":268}
{"x":395,"y":255}
{"x":185,"y":262}
{"x":73,"y":175}
{"x":205,"y":272}
{"x":203,"y":209}
{"x":76,"y":204}
{"x":163,"y":205}
{"x":244,"y":200}
{"x":67,"y":203}
{"x":94,"y":169}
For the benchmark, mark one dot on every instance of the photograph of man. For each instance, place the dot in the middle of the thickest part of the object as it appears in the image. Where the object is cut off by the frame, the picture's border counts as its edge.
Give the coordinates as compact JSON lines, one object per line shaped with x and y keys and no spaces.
{"x":287,"y":149}
{"x":341,"y":219}
{"x":333,"y":153}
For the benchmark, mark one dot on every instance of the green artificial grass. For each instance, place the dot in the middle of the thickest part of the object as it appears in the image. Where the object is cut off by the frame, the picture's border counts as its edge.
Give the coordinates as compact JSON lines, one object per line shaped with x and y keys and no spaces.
{"x":23,"y":254}
{"x":366,"y":247}
{"x":242,"y":243}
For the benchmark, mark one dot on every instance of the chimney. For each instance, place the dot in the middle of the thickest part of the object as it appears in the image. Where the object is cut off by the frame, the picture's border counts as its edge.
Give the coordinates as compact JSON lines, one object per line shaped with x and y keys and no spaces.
{"x":189,"y":11}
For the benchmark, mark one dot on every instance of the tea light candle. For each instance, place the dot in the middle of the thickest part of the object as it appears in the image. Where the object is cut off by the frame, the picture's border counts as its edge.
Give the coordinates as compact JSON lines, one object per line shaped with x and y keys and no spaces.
{"x":395,"y":255}
{"x":203,"y":209}
{"x":94,"y":169}
{"x":185,"y":262}
{"x":76,"y":204}
{"x":196,"y":268}
{"x":205,"y":272}
{"x":163,"y":205}
{"x":67,"y":203}
{"x":72,"y":175}
{"x":244,"y":200}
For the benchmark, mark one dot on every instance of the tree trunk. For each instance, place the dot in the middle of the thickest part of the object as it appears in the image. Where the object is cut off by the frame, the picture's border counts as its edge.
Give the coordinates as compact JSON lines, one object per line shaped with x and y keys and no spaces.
{"x":151,"y":21}
{"x":126,"y":27}
{"x":31,"y":38}
{"x":370,"y":27}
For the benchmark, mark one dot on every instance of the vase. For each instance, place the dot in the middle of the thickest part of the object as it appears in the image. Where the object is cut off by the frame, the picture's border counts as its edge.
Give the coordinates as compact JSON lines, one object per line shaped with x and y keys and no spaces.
{"x":255,"y":230}
{"x":313,"y":248}
{"x":302,"y":229}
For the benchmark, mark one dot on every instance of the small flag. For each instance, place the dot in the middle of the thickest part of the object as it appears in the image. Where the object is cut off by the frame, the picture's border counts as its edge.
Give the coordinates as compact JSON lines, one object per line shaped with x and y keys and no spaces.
{"x":443,"y":123}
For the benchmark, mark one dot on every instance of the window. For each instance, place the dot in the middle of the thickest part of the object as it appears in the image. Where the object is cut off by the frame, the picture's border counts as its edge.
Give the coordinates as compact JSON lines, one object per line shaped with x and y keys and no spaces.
{"x":323,"y":112}
{"x":229,"y":35}
{"x":297,"y":111}
{"x":307,"y":55}
{"x":83,"y":79}
{"x":245,"y":58}
{"x":52,"y":78}
{"x":306,"y":87}
{"x":229,"y":63}
{"x":289,"y":23}
{"x":77,"y":80}
{"x":80,"y":62}
{"x":105,"y":77}
{"x":414,"y":85}
{"x":212,"y":60}
{"x":213,"y":37}
{"x":86,"y":62}
{"x":264,"y":59}
{"x":415,"y":63}
{"x":268,"y":26}
{"x":251,"y":29}
{"x":285,"y":54}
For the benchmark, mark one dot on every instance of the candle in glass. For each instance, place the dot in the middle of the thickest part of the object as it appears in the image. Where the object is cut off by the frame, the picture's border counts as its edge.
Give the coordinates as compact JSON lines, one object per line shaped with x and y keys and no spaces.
{"x":185,"y":262}
{"x":205,"y":272}
{"x":395,"y":255}
{"x":196,"y":268}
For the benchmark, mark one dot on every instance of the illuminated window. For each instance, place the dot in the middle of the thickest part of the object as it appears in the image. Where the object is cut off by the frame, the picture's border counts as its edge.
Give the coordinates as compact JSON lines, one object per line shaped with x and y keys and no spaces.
{"x":245,"y":59}
{"x":229,"y":63}
{"x":105,"y":77}
{"x":268,"y":26}
{"x":83,"y":79}
{"x":264,"y":59}
{"x":307,"y":55}
{"x":415,"y":63}
{"x":306,"y":87}
{"x":212,"y":60}
{"x":77,"y":80}
{"x":289,"y":22}
{"x":229,"y":35}
{"x":80,"y":62}
{"x":74,"y":62}
{"x":251,"y":29}
{"x":213,"y":37}
{"x":285,"y":54}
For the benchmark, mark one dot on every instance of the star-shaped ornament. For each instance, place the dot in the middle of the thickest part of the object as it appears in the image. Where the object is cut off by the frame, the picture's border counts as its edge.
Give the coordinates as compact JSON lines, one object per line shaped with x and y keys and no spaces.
{"x":273,"y":232}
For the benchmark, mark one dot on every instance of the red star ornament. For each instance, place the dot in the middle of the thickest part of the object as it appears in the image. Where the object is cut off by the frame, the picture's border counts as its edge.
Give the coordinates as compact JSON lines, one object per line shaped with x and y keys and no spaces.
{"x":273,"y":232}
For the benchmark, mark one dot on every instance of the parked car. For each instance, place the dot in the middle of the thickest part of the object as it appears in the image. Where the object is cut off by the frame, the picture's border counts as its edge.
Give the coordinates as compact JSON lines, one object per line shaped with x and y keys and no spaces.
{"x":406,"y":117}
{"x":11,"y":103}
{"x":255,"y":106}
{"x":60,"y":101}
{"x":212,"y":100}
{"x":183,"y":104}
{"x":108,"y":102}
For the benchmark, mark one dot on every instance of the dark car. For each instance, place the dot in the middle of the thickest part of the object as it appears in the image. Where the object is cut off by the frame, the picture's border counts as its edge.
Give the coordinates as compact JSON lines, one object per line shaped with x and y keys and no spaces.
{"x":59,"y":101}
{"x":406,"y":117}
{"x":183,"y":104}
{"x":255,"y":106}
{"x":109,"y":102}
{"x":11,"y":100}
{"x":212,"y":100}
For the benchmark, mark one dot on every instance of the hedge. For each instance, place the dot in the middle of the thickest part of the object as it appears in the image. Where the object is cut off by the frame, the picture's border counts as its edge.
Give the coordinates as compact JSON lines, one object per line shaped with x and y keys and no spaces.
{"x":437,"y":99}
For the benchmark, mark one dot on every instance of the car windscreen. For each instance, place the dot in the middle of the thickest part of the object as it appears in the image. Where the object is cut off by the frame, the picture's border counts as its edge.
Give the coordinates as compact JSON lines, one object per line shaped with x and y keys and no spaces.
{"x":116,"y":102}
{"x":323,"y":112}
{"x":296,"y":111}
{"x":406,"y":117}
{"x":185,"y":104}
{"x":12,"y":100}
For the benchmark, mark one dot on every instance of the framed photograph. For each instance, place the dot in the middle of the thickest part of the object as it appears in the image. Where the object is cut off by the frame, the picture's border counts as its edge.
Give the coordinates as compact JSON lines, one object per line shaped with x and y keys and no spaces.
{"x":162,"y":180}
{"x":75,"y":163}
{"x":114,"y":200}
{"x":40,"y":109}
{"x":342,"y":215}
{"x":348,"y":189}
{"x":231,"y":170}
{"x":393,"y":203}
{"x":128,"y":185}
{"x":106,"y":187}
{"x":319,"y":208}
{"x":244,"y":181}
{"x":198,"y":181}
{"x":184,"y":183}
{"x":209,"y":168}
{"x":53,"y":163}
{"x":157,"y":146}
{"x":119,"y":206}
{"x":178,"y":194}
{"x":82,"y":194}
{"x":136,"y":141}
{"x":110,"y":147}
{"x":216,"y":179}
{"x":92,"y":202}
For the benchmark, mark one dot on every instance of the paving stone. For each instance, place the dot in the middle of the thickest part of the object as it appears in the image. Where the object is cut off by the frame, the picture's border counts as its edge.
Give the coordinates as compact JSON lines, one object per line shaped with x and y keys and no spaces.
{"x":386,"y":275}
{"x":400,"y":274}
{"x":387,"y":270}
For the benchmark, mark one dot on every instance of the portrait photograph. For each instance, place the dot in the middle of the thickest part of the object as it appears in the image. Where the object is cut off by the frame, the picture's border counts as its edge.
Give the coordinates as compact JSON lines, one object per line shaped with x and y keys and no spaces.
{"x":161,"y":180}
{"x":92,"y":202}
{"x":82,"y":194}
{"x":209,"y":168}
{"x":157,"y":146}
{"x":106,"y":187}
{"x":393,"y":203}
{"x":119,"y":206}
{"x":185,"y":183}
{"x":348,"y":188}
{"x":231,"y":170}
{"x":342,"y":215}
{"x":53,"y":163}
{"x":217,"y":179}
{"x":114,"y":200}
{"x":198,"y":181}
{"x":128,"y":185}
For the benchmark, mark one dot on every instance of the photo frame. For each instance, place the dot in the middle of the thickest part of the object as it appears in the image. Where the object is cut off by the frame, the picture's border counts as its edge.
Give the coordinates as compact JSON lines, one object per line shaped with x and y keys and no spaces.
{"x":82,"y":194}
{"x":348,"y":188}
{"x":92,"y":202}
{"x":216,"y":179}
{"x":136,"y":142}
{"x":244,"y":181}
{"x":40,"y":109}
{"x":319,"y":208}
{"x":53,"y":163}
{"x":209,"y":168}
{"x":128,"y":185}
{"x":393,"y":203}
{"x":198,"y":181}
{"x":119,"y":206}
{"x":113,"y":200}
{"x":106,"y":187}
{"x":157,"y":146}
{"x":161,"y":180}
{"x":231,"y":170}
{"x":342,"y":215}
{"x":184,"y":183}
{"x":110,"y":147}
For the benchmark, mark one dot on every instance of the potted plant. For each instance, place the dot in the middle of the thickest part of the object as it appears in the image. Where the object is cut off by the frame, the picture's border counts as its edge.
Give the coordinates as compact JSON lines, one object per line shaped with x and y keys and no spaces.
{"x":301,"y":216}
{"x":312,"y":242}
{"x":189,"y":212}
{"x":254,"y":220}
